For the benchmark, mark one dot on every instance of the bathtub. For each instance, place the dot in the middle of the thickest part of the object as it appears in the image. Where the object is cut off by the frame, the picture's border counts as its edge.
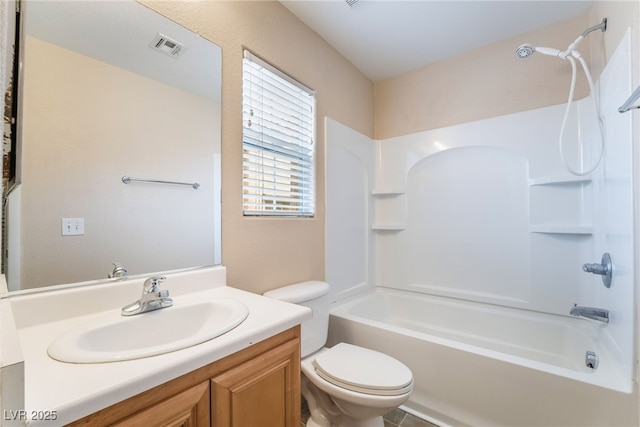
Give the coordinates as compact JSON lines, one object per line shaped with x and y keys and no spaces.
{"x":484,"y":365}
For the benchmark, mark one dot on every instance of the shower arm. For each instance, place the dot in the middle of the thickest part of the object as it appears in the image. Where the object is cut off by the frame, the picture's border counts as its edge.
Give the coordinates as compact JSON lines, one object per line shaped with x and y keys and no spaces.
{"x":572,"y":47}
{"x":601,"y":26}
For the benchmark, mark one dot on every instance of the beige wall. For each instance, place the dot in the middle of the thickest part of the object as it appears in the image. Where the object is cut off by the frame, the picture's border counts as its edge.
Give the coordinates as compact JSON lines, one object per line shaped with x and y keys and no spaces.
{"x":264,"y":253}
{"x":482,"y":83}
{"x":85,"y":135}
{"x":620,"y":16}
{"x":492,"y":81}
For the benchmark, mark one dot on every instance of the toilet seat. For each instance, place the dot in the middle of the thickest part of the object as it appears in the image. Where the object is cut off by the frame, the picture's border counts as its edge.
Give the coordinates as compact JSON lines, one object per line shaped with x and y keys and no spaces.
{"x":363,"y":370}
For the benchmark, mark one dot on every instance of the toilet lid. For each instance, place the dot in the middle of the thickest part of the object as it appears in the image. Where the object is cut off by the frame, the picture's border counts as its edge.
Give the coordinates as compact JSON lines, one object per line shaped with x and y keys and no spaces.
{"x":363,"y":370}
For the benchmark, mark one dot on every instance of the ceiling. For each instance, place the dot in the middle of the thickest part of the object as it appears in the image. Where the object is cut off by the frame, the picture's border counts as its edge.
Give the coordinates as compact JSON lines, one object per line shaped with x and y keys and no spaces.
{"x":382,"y":38}
{"x":385,"y":38}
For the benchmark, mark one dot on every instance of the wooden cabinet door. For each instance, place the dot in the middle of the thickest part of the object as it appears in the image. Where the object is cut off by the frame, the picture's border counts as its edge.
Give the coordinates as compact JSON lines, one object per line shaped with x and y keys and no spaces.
{"x":189,"y":408}
{"x":263,"y":391}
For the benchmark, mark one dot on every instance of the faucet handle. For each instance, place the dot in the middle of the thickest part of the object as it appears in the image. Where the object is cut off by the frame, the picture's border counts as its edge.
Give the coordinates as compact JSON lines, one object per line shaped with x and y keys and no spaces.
{"x":151,"y":284}
{"x":605,"y":269}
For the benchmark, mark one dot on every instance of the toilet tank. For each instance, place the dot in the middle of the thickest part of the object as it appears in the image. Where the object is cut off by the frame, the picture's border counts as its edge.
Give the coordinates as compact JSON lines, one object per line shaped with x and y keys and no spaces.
{"x":315,"y":295}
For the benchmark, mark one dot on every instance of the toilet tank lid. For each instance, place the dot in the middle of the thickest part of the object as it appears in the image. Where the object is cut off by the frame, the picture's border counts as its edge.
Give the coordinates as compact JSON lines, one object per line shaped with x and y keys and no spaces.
{"x":299,"y":292}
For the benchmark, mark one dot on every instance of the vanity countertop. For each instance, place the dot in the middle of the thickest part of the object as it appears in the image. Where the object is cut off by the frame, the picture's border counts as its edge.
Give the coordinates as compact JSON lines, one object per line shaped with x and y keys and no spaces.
{"x":72,"y":391}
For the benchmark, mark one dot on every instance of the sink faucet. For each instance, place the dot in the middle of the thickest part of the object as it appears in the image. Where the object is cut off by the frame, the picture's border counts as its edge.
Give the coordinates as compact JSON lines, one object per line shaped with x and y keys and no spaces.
{"x":118,"y":271}
{"x":152,"y":298}
{"x":599,"y":314}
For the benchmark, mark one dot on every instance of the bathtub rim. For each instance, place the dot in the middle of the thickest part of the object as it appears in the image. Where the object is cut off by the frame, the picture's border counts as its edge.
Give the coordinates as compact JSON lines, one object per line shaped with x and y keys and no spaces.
{"x":608,"y":376}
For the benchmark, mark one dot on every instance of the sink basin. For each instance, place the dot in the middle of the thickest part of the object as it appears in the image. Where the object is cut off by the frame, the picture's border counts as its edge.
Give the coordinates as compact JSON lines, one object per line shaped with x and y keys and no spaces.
{"x":112,"y":337}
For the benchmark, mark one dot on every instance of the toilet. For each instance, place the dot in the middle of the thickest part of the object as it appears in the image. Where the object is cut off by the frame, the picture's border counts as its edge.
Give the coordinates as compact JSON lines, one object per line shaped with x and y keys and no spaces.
{"x":345,"y":385}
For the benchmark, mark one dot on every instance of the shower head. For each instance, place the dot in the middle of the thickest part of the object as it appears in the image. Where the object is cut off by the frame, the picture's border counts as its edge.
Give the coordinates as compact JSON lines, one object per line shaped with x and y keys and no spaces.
{"x":526,"y":50}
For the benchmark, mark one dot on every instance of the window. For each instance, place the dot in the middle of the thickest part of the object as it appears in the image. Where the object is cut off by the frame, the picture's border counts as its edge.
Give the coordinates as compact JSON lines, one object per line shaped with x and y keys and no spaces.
{"x":278,"y":142}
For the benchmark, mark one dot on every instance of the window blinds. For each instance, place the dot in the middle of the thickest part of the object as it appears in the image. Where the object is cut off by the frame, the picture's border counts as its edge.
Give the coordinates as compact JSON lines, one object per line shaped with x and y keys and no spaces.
{"x":278,"y":142}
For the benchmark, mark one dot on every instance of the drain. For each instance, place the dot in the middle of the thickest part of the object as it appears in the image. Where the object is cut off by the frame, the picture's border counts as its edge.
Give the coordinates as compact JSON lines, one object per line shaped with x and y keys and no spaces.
{"x":591,"y":360}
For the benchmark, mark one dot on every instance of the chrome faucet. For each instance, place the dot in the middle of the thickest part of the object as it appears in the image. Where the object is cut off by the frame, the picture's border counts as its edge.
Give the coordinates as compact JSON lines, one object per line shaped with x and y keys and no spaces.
{"x":599,"y":314}
{"x":152,"y":298}
{"x":118,"y":271}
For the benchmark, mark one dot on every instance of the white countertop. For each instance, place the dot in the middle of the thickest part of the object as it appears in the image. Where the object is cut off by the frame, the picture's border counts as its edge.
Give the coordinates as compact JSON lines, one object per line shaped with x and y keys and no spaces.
{"x":76,"y":390}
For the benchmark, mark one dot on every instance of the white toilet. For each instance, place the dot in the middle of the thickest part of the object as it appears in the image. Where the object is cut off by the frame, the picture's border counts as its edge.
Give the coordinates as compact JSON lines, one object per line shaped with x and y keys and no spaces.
{"x":345,"y":385}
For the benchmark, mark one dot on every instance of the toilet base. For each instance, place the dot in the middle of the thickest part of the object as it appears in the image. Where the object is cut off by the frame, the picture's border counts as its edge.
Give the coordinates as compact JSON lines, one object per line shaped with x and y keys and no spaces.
{"x":325,"y":413}
{"x":344,"y":422}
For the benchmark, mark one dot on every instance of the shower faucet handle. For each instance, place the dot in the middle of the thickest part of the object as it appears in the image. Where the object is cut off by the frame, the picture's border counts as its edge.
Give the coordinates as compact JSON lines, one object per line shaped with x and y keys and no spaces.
{"x":604,"y":269}
{"x":595,"y":269}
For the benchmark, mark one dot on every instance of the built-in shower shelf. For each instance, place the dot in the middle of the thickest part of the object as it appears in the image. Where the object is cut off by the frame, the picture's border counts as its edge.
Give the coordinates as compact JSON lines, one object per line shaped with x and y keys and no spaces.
{"x":561,"y":229}
{"x":390,"y":209}
{"x":387,"y":191}
{"x":389,"y":227}
{"x":556,"y":180}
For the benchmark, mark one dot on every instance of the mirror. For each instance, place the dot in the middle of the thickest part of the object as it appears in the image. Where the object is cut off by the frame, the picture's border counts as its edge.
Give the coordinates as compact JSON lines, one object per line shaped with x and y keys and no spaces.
{"x":111,"y":89}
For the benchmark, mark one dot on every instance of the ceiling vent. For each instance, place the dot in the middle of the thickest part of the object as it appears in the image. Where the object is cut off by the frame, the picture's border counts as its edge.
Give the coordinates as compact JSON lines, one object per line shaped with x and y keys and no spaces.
{"x":352,"y":3}
{"x":167,"y":46}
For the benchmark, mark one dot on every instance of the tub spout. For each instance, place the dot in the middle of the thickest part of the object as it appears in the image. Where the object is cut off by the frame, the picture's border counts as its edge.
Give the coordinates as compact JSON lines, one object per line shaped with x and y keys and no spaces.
{"x":599,"y":314}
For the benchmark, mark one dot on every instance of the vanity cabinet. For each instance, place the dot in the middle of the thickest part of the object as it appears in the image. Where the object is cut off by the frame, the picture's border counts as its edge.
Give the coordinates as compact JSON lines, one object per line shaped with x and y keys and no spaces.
{"x":257,"y":386}
{"x":263,"y":391}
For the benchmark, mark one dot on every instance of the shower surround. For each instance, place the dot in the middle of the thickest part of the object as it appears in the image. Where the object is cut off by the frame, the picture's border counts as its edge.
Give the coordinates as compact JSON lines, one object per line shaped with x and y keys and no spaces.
{"x":485,"y":214}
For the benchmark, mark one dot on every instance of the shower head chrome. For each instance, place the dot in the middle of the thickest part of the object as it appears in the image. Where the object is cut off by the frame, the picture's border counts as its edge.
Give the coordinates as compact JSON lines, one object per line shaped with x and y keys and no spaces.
{"x":602,"y":26}
{"x":526,"y":50}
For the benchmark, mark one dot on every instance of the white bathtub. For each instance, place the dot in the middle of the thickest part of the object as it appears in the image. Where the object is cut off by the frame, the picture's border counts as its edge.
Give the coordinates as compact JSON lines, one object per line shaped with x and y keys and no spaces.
{"x":484,"y":365}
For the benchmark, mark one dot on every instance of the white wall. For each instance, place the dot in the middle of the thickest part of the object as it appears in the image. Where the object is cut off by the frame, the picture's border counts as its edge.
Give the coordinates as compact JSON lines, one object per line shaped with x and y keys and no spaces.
{"x":486,"y":211}
{"x":613,"y":203}
{"x":351,"y":162}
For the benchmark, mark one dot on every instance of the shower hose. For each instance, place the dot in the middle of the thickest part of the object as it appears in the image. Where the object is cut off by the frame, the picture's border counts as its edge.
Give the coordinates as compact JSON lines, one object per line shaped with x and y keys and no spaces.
{"x":570,"y":57}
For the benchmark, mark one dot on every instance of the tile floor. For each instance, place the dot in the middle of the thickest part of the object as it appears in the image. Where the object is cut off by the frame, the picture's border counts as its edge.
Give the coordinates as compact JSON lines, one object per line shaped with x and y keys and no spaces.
{"x":395,"y":418}
{"x":399,"y":418}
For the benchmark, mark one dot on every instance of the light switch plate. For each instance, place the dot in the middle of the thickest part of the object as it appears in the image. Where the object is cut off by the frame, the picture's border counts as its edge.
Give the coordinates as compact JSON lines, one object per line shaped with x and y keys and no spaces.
{"x":72,"y":226}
